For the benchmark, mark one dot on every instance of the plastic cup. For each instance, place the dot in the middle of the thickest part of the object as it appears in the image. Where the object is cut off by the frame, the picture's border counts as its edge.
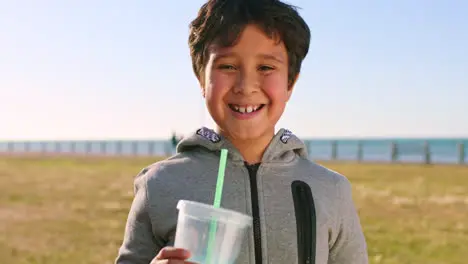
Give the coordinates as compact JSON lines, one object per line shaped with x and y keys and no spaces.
{"x":212,"y":235}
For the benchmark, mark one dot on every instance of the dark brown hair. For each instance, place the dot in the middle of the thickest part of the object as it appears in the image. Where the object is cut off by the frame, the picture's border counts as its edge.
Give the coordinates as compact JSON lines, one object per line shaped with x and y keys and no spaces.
{"x":222,"y":21}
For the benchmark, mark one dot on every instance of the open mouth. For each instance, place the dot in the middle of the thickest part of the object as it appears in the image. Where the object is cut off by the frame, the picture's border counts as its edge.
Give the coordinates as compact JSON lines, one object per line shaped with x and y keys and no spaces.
{"x":246,"y":109}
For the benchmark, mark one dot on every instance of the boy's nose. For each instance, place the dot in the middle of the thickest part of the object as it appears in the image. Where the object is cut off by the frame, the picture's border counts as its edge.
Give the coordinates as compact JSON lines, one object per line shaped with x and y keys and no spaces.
{"x":246,"y":84}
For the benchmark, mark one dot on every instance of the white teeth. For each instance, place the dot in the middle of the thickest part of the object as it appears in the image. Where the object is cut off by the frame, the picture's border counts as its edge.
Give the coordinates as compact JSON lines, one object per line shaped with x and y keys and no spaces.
{"x":246,"y":109}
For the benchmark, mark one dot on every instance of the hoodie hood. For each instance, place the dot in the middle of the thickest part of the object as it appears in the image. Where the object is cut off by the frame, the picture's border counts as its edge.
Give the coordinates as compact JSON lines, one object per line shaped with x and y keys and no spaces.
{"x":284,"y":146}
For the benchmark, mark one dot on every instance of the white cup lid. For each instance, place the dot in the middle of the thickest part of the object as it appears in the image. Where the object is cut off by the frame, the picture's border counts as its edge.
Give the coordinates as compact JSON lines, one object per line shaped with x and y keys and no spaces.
{"x":208,"y":212}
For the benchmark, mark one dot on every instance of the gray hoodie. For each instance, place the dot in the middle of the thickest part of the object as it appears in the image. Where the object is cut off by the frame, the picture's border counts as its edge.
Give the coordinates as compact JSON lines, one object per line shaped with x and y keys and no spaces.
{"x":302,"y":212}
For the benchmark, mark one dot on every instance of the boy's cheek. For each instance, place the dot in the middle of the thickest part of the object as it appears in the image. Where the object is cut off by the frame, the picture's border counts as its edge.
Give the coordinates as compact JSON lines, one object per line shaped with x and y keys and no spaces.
{"x":219,"y":82}
{"x":276,"y":87}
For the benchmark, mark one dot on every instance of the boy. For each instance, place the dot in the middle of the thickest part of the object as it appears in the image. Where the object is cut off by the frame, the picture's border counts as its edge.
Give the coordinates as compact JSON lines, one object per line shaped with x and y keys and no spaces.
{"x":247,"y":55}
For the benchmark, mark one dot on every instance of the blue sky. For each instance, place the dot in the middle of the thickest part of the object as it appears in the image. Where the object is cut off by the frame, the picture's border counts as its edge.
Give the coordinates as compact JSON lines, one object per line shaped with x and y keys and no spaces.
{"x":82,"y":69}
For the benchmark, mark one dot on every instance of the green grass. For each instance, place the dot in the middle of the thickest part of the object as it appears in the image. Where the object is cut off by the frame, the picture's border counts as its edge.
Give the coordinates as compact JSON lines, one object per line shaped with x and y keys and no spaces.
{"x":73,"y":210}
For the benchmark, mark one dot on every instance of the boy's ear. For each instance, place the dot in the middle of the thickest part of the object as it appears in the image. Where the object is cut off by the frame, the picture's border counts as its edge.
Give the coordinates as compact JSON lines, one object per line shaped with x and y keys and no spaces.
{"x":202,"y":86}
{"x":203,"y":91}
{"x":291,"y":85}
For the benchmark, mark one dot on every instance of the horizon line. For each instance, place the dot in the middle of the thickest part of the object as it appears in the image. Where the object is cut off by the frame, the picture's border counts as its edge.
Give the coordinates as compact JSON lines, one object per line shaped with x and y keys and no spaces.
{"x":341,"y":138}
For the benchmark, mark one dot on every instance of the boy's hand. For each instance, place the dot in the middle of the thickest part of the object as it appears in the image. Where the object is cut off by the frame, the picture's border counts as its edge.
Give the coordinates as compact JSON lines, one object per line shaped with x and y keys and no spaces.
{"x":171,"y":255}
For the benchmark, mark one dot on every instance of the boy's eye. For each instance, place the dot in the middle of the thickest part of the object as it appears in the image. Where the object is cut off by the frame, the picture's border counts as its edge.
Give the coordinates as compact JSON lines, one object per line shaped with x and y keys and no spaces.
{"x":226,"y":67}
{"x":265,"y":68}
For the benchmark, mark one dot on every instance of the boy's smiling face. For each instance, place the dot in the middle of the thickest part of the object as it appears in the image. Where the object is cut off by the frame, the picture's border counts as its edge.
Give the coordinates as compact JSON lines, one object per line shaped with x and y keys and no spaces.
{"x":246,"y":85}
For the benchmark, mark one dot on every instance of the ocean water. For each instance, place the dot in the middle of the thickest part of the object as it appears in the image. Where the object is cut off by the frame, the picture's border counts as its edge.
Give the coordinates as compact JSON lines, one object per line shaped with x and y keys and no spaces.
{"x":380,"y":150}
{"x":409,"y":150}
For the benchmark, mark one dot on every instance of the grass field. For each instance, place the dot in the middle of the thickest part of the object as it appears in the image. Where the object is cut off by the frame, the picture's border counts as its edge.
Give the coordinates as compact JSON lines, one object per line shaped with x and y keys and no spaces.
{"x":73,"y":210}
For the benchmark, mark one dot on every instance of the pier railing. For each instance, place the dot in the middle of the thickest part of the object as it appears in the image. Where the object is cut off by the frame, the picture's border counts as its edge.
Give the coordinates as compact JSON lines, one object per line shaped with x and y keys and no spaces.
{"x":361,"y":151}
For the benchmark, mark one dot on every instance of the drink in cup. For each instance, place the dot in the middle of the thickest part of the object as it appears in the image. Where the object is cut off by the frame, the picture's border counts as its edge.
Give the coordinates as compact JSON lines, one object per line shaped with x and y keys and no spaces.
{"x":213,"y":235}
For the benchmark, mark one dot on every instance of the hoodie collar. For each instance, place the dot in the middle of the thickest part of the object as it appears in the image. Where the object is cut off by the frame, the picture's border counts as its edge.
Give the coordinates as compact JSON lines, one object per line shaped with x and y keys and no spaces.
{"x":282,"y":148}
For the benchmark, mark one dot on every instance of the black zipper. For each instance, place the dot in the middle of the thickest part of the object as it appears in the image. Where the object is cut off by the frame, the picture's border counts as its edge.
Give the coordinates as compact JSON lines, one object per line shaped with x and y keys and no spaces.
{"x":305,"y":222}
{"x":255,"y":211}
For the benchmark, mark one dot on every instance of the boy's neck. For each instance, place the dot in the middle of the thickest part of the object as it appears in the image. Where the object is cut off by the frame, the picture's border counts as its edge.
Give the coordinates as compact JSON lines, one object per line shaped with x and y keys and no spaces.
{"x":251,"y":150}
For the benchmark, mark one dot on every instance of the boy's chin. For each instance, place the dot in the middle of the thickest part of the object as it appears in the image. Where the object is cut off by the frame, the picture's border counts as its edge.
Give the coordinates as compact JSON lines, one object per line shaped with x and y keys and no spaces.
{"x":249,"y":133}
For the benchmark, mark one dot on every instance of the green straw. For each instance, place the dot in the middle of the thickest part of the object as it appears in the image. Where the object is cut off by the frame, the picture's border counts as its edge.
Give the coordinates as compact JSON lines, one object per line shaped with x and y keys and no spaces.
{"x":217,"y":202}
{"x":220,"y":181}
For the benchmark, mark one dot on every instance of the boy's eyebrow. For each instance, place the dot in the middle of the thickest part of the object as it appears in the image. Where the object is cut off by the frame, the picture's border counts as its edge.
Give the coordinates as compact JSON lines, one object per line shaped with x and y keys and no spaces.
{"x":278,"y":57}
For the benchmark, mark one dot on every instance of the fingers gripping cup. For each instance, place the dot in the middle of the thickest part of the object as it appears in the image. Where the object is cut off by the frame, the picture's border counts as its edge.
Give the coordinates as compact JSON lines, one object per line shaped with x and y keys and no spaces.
{"x":212,"y":235}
